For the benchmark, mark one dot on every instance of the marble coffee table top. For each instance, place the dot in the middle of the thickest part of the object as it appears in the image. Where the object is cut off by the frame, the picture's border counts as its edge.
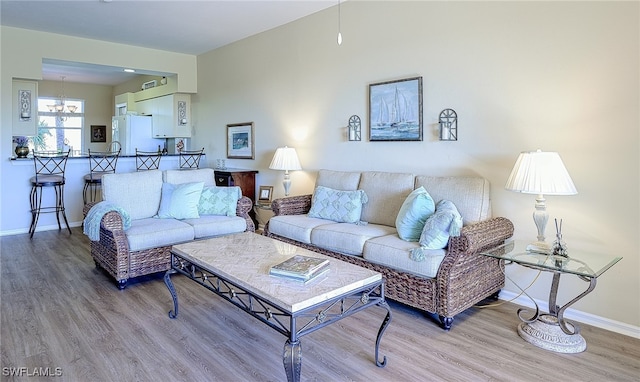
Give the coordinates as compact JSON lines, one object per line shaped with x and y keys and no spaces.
{"x":245,"y":259}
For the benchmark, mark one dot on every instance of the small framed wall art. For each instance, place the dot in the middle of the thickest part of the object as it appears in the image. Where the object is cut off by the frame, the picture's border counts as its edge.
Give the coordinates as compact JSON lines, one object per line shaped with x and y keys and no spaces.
{"x":395,"y":110}
{"x":240,"y":141}
{"x":98,"y":133}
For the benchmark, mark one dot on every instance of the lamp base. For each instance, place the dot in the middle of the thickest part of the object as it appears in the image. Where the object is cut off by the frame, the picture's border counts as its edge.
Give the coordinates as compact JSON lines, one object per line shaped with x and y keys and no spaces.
{"x":539,"y":247}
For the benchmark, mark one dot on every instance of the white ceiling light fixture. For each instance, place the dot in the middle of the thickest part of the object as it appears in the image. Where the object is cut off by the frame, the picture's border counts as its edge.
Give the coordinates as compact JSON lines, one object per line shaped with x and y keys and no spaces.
{"x":339,"y":26}
{"x":59,"y":106}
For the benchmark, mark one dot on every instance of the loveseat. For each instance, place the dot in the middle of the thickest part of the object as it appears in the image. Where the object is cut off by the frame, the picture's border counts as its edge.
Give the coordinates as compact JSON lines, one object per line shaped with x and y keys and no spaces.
{"x":145,"y":213}
{"x":442,"y":281}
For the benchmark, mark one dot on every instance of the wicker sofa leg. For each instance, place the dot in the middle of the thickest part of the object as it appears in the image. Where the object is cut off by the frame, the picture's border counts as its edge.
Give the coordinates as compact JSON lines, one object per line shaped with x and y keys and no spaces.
{"x":122,"y":284}
{"x":446,"y":322}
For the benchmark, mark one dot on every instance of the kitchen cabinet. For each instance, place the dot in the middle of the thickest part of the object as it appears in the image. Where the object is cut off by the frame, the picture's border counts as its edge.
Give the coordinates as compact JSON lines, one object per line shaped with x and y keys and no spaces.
{"x":24,"y":107}
{"x":171,"y":115}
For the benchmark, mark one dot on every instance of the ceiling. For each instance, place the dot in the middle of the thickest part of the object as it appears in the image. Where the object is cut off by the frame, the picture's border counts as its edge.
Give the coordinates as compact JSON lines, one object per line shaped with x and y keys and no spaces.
{"x":191,"y":27}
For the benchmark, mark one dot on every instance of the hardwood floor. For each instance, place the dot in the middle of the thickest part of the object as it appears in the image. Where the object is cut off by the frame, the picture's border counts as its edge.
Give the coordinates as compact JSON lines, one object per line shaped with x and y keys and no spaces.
{"x":59,"y":311}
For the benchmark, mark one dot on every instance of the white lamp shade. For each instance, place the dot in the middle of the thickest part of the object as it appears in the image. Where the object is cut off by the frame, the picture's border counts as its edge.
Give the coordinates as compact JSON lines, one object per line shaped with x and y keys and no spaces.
{"x":285,"y":158}
{"x":539,"y":172}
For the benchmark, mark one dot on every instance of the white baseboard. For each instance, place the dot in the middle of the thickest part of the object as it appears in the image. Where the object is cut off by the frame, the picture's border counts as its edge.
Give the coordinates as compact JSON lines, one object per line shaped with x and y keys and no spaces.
{"x":40,"y":228}
{"x":576,"y":315}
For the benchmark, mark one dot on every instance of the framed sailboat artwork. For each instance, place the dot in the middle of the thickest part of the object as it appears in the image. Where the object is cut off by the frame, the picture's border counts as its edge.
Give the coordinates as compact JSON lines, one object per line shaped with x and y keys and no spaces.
{"x":395,"y":110}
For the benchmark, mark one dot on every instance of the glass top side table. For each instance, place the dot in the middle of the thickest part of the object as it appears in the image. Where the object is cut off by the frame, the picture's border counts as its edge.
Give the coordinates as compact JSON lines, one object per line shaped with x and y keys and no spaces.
{"x":551,"y":331}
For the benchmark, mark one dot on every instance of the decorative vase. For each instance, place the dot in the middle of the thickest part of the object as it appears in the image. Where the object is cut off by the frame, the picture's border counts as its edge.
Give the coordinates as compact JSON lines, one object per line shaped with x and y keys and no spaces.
{"x":22,"y":152}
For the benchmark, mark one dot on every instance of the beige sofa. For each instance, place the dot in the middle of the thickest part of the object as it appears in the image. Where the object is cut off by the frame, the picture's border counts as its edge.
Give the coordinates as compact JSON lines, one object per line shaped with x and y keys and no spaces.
{"x":144,"y":247}
{"x":447,"y":281}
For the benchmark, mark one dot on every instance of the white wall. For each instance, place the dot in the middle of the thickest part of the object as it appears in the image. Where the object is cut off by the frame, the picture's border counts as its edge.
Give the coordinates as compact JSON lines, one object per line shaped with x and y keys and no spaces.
{"x":521,"y":76}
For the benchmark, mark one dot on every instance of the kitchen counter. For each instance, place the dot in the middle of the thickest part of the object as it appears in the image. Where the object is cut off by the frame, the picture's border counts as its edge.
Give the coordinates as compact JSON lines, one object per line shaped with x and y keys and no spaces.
{"x":86,"y":155}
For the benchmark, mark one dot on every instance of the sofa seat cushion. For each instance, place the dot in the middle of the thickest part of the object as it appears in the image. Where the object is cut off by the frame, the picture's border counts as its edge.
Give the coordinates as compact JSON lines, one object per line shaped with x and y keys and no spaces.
{"x":393,"y":252}
{"x":152,"y":233}
{"x":295,"y":227}
{"x":215,"y":225}
{"x":347,"y":238}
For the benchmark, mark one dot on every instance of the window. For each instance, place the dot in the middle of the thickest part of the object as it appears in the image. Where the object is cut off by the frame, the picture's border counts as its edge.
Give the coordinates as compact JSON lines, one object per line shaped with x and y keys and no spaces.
{"x":59,"y":130}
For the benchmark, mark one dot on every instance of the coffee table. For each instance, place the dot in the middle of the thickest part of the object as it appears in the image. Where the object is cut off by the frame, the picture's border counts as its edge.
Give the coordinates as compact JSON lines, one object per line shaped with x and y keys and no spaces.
{"x":236,"y":268}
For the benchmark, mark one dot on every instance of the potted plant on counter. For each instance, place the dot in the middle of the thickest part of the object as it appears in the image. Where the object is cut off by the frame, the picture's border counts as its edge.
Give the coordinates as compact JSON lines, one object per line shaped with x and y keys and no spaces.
{"x":22,"y":150}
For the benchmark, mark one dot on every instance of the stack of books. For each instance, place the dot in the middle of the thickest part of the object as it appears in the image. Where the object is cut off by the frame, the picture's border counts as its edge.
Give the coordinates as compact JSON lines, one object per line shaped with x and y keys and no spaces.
{"x":300,"y":268}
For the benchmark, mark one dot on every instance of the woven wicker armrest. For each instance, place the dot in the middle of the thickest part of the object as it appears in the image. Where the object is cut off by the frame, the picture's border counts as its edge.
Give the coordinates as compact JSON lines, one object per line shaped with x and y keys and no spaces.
{"x":86,"y":209}
{"x":292,"y":205}
{"x":245,"y":205}
{"x":465,"y":277}
{"x":112,"y":221}
{"x":482,"y":235}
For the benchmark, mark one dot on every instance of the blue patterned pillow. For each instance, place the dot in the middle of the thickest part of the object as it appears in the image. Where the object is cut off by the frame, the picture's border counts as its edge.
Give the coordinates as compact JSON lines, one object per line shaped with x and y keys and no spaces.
{"x":415,"y":210}
{"x":445,"y":222}
{"x":220,"y":201}
{"x":180,"y":201}
{"x":339,"y":206}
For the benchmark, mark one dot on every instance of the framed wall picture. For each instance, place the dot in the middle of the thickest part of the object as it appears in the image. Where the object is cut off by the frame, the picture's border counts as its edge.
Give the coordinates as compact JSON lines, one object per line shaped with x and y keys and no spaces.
{"x":265,"y":194}
{"x":240,"y":141}
{"x":395,"y":110}
{"x":98,"y":133}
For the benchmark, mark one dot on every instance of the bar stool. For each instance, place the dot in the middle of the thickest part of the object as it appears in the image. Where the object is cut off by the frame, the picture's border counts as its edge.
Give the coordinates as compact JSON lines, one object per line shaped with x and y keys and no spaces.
{"x":190,"y":159}
{"x":50,"y":167}
{"x":100,"y":163}
{"x":147,"y":160}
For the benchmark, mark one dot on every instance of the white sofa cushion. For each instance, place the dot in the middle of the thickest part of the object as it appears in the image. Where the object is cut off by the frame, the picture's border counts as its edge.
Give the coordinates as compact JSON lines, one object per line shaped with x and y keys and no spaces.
{"x":136,"y":192}
{"x":471,"y":195}
{"x":347,"y":238}
{"x":386,"y":191}
{"x":205,"y":175}
{"x":339,"y":180}
{"x":213,"y":225}
{"x":393,"y":252}
{"x":151,"y":233}
{"x":296,"y":227}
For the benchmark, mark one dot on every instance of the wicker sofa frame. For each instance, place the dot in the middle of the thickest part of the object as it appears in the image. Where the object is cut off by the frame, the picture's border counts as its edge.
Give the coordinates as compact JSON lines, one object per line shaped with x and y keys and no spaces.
{"x":464,"y":278}
{"x":112,"y":252}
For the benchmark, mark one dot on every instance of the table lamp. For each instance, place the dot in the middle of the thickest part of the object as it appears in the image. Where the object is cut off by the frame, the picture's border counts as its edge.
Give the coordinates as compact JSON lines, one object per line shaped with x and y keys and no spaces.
{"x":285,"y":159}
{"x":539,"y":172}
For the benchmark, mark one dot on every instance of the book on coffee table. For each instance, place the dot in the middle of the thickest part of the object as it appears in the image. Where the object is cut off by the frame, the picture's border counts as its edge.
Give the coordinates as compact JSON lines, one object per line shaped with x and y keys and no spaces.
{"x":299,"y":267}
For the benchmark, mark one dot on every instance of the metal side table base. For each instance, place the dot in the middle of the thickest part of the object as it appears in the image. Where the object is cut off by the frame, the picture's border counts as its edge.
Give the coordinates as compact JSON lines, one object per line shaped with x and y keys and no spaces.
{"x":545,"y":333}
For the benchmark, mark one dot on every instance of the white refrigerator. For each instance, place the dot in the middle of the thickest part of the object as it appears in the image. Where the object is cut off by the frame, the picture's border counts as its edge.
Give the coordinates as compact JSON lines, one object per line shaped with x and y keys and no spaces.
{"x":134,"y":132}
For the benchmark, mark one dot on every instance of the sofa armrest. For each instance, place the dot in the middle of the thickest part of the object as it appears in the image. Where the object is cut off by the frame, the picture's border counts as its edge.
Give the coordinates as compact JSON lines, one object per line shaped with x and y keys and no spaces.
{"x":292,"y":205}
{"x":465,"y":276}
{"x":86,"y":208}
{"x":244,"y":206}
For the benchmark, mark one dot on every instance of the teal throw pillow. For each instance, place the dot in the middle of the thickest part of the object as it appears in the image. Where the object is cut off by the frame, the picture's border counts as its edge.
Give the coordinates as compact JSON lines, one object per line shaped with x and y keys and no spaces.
{"x":336,"y":205}
{"x":445,"y":222}
{"x":221,"y":201}
{"x":180,"y":201}
{"x":415,"y":210}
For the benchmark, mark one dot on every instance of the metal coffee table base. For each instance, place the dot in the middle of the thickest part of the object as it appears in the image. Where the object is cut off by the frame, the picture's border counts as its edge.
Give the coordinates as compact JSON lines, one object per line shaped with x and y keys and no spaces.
{"x":292,"y":325}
